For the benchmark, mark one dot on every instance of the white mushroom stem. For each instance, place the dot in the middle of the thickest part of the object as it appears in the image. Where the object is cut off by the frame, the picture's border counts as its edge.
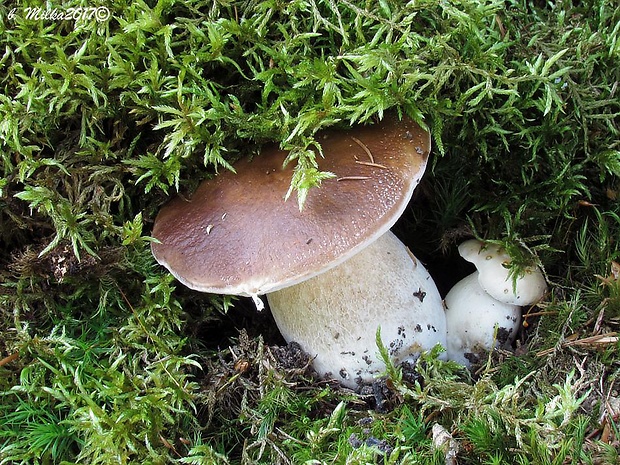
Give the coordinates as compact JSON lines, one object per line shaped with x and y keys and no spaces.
{"x":335,"y":315}
{"x":476,"y":322}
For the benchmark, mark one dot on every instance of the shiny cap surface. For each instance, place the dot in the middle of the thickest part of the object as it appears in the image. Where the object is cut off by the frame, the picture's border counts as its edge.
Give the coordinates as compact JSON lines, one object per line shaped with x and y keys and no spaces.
{"x":237,"y":235}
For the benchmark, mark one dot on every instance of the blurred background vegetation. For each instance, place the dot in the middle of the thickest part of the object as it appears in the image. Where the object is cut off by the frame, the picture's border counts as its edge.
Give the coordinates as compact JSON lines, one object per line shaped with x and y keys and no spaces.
{"x":103,"y":118}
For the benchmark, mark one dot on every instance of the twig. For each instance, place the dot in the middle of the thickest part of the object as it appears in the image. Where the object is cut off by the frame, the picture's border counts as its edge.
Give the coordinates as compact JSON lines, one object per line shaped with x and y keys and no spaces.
{"x":601,"y":339}
{"x":353,"y":178}
{"x":367,"y":163}
{"x":9,"y":359}
{"x":532,"y":314}
{"x":363,"y":146}
{"x":413,"y":257}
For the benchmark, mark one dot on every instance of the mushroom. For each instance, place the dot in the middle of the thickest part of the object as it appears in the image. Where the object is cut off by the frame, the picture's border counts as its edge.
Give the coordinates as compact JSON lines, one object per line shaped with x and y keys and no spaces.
{"x":237,"y":235}
{"x":483,"y":310}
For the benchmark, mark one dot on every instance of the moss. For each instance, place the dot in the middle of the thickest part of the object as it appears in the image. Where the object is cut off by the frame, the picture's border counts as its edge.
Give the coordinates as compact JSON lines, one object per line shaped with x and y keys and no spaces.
{"x":101,"y":119}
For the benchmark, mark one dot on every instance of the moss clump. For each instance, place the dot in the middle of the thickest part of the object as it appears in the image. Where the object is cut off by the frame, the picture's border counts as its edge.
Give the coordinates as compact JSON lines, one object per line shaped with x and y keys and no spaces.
{"x":102,"y":118}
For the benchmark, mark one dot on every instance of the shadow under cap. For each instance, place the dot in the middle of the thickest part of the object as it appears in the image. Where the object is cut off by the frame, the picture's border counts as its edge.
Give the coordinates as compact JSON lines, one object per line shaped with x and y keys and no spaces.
{"x":237,"y":235}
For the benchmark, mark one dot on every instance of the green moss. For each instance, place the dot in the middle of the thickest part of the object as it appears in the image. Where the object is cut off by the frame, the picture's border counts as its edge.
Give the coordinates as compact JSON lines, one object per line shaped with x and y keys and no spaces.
{"x":102,"y":119}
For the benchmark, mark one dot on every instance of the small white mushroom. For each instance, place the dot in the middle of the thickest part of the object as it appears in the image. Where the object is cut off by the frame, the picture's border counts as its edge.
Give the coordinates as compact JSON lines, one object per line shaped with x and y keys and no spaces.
{"x":483,"y":310}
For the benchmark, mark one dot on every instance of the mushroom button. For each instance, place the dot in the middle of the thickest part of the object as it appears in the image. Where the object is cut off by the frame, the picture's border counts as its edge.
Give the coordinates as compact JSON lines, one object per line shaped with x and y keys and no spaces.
{"x":237,"y":235}
{"x":483,"y":310}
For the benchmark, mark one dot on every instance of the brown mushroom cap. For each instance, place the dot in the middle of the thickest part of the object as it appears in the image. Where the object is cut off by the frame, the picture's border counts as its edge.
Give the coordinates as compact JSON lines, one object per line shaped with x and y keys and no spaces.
{"x":237,"y":235}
